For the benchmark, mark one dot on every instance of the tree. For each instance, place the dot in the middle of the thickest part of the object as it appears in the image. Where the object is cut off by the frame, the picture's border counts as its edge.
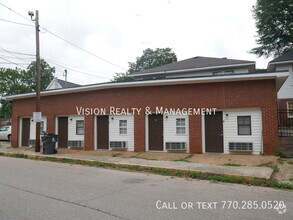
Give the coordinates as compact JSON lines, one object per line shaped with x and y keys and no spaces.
{"x":16,"y":81}
{"x":149,"y":59}
{"x":46,"y":75}
{"x":274,"y":23}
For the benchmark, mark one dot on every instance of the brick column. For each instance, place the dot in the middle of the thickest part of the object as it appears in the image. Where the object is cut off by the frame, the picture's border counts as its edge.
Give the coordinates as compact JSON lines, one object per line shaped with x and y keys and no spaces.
{"x":139,"y":133}
{"x":51,"y":124}
{"x":270,"y":130}
{"x":89,"y":132}
{"x":14,"y":132}
{"x":195,"y":143}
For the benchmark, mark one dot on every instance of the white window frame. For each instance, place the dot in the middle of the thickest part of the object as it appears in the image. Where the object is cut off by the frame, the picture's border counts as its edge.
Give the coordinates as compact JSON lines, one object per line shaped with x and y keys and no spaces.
{"x":76,"y":122}
{"x":180,"y":126}
{"x":290,"y":110}
{"x":123,"y":127}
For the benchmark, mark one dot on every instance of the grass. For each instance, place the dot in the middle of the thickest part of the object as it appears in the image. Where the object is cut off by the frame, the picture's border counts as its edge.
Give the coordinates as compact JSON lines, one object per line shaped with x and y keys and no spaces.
{"x":166,"y":172}
{"x":290,"y":163}
{"x":116,"y":154}
{"x":291,"y":179}
{"x":267,"y":164}
{"x":232,"y":164}
{"x":276,"y":169}
{"x":184,"y":159}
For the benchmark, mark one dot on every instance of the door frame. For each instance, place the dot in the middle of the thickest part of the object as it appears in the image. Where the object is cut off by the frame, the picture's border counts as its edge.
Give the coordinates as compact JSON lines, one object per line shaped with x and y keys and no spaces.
{"x":147,"y":148}
{"x":56,"y":128}
{"x":20,"y":130}
{"x":203,"y":136}
{"x":96,"y":132}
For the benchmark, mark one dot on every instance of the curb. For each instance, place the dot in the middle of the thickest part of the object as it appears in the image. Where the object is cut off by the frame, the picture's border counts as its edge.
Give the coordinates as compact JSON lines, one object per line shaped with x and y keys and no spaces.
{"x":40,"y":157}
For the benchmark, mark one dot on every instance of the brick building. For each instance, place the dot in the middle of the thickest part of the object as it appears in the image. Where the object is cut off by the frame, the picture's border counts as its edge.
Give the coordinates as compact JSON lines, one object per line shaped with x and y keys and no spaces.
{"x":244,"y":103}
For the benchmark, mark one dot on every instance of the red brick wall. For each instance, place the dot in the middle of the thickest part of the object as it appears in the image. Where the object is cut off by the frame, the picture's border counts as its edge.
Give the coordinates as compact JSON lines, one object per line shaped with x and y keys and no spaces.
{"x":282,"y":103}
{"x":245,"y":94}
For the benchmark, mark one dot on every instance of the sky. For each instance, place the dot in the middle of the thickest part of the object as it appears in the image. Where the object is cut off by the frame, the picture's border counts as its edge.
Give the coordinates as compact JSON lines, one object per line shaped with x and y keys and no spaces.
{"x":115,"y":32}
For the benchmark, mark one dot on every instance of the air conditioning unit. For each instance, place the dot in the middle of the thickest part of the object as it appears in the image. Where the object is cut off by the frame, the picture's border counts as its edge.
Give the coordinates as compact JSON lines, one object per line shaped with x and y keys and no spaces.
{"x":240,"y":146}
{"x":116,"y":145}
{"x":75,"y":143}
{"x":175,"y":146}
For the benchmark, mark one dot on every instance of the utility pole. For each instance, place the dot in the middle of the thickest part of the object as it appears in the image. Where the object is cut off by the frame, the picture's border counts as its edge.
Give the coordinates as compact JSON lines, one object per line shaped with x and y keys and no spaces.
{"x":38,"y":80}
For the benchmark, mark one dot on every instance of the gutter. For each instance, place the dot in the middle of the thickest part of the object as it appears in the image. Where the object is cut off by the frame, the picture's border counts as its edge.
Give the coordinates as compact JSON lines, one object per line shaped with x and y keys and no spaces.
{"x":282,"y":75}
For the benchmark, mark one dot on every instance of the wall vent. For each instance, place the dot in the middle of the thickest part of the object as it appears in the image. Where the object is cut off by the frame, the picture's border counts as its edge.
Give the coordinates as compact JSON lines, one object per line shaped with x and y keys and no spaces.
{"x":75,"y":143}
{"x":240,"y":146}
{"x":175,"y":145}
{"x":118,"y":144}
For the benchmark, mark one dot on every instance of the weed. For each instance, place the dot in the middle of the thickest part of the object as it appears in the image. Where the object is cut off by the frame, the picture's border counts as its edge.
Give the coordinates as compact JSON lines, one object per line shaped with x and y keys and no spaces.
{"x":276,"y":169}
{"x":184,"y":159}
{"x":267,"y":164}
{"x":279,"y":153}
{"x":290,"y":163}
{"x":116,"y":154}
{"x":232,"y":164}
{"x":18,"y":155}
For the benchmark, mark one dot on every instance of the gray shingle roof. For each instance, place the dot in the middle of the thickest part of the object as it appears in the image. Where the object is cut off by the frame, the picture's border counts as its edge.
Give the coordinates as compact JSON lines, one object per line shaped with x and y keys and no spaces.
{"x":287,"y":56}
{"x":67,"y":84}
{"x":196,"y":62}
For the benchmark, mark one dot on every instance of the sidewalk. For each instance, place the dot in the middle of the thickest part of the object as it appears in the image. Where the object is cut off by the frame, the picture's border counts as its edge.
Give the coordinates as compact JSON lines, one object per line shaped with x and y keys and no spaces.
{"x":241,"y":171}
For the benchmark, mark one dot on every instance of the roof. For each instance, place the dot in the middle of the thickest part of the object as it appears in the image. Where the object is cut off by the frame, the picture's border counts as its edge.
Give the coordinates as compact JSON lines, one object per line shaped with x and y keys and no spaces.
{"x":196,"y":63}
{"x":280,"y":78}
{"x":67,"y":84}
{"x":287,"y":56}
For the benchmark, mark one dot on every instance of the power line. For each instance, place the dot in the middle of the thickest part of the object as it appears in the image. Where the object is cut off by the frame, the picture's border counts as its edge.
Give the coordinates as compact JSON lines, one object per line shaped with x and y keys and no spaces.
{"x":107,"y":74}
{"x":15,"y":12}
{"x":19,"y":53}
{"x":17,"y":64}
{"x":84,"y":50}
{"x":61,"y":38}
{"x":78,"y":71}
{"x":13,"y":54}
{"x":11,"y":57}
{"x":13,"y":22}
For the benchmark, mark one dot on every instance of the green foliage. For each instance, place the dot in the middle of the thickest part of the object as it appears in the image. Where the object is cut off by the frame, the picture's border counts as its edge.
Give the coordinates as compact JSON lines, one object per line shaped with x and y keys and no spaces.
{"x":16,"y":81}
{"x":122,"y":77}
{"x":267,"y":164}
{"x":274,"y":27}
{"x":276,"y":169}
{"x":279,"y":153}
{"x":116,"y":154}
{"x":232,"y":164}
{"x":149,"y":59}
{"x":46,"y":75}
{"x":290,"y":163}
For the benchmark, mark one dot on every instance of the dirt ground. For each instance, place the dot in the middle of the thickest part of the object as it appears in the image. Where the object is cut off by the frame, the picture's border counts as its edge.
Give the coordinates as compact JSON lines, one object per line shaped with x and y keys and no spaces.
{"x":217,"y":159}
{"x":285,"y":172}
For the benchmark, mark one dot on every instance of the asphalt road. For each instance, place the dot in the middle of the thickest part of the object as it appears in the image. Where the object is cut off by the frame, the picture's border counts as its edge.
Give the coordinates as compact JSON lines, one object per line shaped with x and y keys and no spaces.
{"x":45,"y":190}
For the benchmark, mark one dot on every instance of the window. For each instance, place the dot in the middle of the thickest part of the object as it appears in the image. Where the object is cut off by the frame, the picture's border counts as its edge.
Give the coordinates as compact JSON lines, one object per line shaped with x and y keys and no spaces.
{"x":244,"y":125}
{"x":180,"y":125}
{"x":80,"y":127}
{"x":4,"y":128}
{"x":290,"y":109}
{"x":41,"y":127}
{"x":122,"y":126}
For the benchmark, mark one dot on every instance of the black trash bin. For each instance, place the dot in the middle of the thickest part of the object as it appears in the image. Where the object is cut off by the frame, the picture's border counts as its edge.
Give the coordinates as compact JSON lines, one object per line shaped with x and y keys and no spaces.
{"x":49,"y":143}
